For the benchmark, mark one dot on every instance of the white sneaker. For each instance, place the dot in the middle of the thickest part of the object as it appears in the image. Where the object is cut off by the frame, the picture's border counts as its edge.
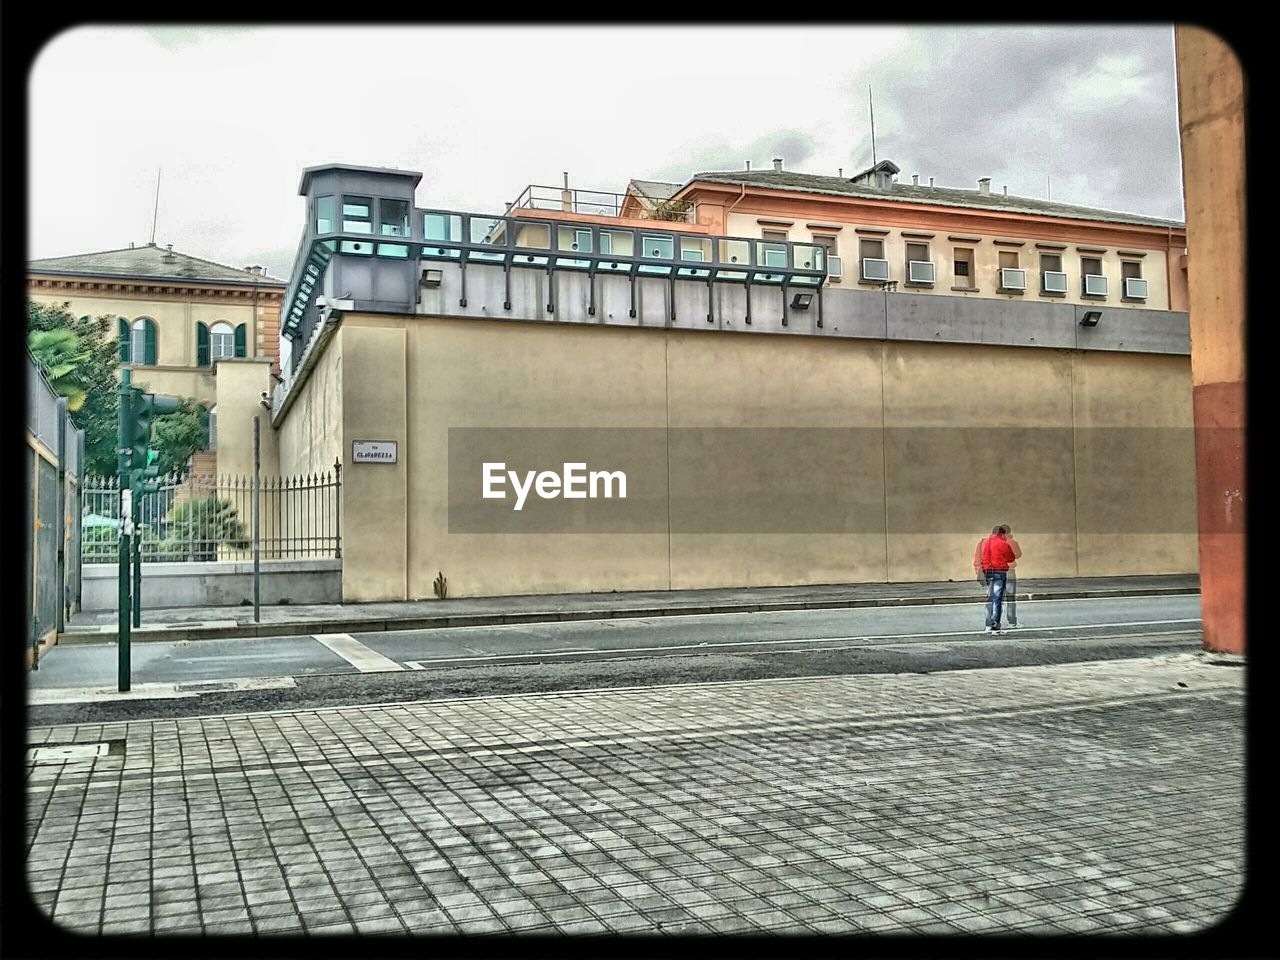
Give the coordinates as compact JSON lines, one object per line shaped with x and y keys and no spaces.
{"x":1011,"y":626}
{"x":991,"y":630}
{"x":996,"y":632}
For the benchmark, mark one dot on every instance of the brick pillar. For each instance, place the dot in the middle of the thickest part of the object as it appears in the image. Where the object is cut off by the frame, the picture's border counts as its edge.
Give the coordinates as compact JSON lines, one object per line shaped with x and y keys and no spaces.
{"x":1211,"y":102}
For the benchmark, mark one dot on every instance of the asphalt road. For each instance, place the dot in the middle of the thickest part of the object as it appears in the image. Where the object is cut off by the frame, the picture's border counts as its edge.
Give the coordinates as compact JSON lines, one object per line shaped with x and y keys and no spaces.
{"x":204,"y":677}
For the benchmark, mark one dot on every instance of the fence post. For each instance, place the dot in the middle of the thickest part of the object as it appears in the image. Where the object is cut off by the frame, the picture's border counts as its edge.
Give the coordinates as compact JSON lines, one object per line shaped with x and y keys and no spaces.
{"x":122,"y":466}
{"x":337,"y":508}
{"x":257,"y":467}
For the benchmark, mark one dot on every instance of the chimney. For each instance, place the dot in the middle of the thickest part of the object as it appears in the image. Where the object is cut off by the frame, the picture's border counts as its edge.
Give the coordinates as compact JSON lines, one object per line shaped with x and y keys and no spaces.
{"x":748,"y":166}
{"x":839,"y":171}
{"x":777,"y":164}
{"x":1006,"y":189}
{"x":984,"y":185}
{"x":130,"y":244}
{"x":915,"y":179}
{"x":931,"y":183}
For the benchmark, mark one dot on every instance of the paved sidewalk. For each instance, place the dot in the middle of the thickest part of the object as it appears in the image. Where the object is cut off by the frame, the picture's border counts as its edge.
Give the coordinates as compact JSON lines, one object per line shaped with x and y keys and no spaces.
{"x":1094,"y":797}
{"x":196,"y":623}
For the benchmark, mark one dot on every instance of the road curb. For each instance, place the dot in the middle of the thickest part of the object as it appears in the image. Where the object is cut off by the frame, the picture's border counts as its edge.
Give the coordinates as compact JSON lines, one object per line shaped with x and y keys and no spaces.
{"x":157,"y":634}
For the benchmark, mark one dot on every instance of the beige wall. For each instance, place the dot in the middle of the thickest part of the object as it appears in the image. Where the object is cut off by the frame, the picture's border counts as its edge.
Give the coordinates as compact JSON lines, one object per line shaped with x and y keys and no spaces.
{"x":241,"y":383}
{"x":960,"y":436}
{"x":176,"y":318}
{"x":986,"y":263}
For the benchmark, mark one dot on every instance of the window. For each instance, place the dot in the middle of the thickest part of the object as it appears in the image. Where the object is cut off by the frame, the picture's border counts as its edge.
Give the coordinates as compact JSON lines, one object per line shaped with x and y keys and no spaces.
{"x":1094,"y":283}
{"x":1012,"y":277}
{"x":139,"y":341}
{"x":324,"y":214}
{"x":830,"y":253}
{"x":962,"y":262}
{"x":663,"y":248}
{"x":1052,"y":278}
{"x":357,"y":215}
{"x":222,"y":341}
{"x":393,"y":218}
{"x":1135,"y":288}
{"x":874,"y":266}
{"x":919,"y":266}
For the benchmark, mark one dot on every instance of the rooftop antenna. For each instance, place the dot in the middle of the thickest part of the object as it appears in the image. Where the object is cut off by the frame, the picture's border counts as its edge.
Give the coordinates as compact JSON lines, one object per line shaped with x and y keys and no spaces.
{"x":1049,"y":186}
{"x":156,"y":211}
{"x":872,"y":105}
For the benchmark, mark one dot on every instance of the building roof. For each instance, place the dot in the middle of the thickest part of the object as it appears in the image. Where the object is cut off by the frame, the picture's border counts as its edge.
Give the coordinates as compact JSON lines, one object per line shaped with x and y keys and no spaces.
{"x":149,"y":263}
{"x":945,"y":196}
{"x":656,"y":189}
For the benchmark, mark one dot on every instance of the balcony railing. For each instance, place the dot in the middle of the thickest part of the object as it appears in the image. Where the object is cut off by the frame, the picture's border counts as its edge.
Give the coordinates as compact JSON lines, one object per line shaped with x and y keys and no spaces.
{"x":599,"y":203}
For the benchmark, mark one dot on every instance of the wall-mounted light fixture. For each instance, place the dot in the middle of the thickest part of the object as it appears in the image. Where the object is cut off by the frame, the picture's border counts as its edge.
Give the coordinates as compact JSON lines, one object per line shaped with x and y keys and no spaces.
{"x":801,"y":301}
{"x":432,"y":278}
{"x":1090,"y":318}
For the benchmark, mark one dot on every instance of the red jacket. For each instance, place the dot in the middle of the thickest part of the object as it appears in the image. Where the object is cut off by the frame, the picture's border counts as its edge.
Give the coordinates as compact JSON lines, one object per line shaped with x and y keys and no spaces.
{"x":996,"y":553}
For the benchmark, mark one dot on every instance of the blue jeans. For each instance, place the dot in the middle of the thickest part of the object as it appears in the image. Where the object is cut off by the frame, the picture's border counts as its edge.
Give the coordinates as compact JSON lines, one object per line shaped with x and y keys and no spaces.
{"x":1010,"y":598}
{"x":996,"y":582}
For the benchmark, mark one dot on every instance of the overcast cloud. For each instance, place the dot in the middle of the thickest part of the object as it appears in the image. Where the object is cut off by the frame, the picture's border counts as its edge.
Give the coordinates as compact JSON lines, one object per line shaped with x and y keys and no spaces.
{"x":233,"y":115}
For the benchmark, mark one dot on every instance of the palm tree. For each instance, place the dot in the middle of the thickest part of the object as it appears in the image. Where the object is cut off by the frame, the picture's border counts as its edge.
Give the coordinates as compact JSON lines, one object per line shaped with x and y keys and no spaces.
{"x":59,"y":355}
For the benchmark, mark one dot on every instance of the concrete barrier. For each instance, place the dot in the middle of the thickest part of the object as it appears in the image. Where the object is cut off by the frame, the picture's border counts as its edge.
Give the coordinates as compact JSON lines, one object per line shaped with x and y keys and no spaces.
{"x":217,"y":583}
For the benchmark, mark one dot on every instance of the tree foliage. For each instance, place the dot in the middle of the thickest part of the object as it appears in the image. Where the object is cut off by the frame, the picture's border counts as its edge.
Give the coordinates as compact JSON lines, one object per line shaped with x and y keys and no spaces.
{"x":60,"y":356}
{"x":194,"y":528}
{"x":80,"y":358}
{"x":95,"y":375}
{"x":669,"y":210}
{"x":179,"y":435}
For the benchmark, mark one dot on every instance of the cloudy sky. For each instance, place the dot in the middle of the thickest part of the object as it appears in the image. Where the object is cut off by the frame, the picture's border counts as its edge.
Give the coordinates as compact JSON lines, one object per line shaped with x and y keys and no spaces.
{"x":232,"y":115}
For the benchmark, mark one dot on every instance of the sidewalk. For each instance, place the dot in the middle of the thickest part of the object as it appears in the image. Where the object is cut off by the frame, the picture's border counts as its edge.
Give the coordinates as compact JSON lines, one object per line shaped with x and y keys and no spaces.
{"x":202,"y":623}
{"x":1103,"y":797}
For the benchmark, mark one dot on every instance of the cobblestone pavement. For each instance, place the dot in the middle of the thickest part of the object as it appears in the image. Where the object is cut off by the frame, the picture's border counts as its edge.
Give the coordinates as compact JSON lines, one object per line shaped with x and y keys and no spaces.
{"x":1087,"y":797}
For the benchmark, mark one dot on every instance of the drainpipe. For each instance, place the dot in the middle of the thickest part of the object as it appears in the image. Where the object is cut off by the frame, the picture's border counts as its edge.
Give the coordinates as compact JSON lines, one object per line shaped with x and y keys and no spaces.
{"x":731,"y":206}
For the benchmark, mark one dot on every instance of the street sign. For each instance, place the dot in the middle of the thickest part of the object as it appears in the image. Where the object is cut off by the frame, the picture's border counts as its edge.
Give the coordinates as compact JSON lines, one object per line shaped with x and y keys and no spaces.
{"x":126,"y":511}
{"x":373,"y":451}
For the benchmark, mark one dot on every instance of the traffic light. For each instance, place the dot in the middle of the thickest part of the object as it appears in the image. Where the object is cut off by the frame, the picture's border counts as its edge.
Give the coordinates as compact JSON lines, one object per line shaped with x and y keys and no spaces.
{"x":146,"y":407}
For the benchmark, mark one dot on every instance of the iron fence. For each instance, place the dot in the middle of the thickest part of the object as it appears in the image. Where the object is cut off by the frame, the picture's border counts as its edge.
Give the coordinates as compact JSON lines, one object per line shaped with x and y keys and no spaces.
{"x":203,"y":518}
{"x":600,"y":203}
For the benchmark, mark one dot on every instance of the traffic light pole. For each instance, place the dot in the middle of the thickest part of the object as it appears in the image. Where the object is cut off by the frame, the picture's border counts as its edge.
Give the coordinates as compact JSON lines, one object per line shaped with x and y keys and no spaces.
{"x":137,"y":557}
{"x":126,"y":523}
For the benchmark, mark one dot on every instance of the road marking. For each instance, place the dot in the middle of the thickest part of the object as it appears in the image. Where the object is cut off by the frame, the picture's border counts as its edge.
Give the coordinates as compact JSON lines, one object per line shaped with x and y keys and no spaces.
{"x":356,"y":653}
{"x":418,"y":664}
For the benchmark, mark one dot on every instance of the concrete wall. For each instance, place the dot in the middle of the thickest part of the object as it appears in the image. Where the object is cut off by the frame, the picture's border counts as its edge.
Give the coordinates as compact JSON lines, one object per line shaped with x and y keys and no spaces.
{"x":166,"y":585}
{"x":919,"y":447}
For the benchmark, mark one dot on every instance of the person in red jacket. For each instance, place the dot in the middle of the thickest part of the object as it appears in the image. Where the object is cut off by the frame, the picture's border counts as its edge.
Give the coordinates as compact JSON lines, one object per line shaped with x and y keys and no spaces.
{"x":995,"y":555}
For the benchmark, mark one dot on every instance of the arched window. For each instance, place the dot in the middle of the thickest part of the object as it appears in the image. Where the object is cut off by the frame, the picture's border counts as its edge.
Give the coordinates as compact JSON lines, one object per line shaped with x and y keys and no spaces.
{"x":140,"y":347}
{"x":222,"y":341}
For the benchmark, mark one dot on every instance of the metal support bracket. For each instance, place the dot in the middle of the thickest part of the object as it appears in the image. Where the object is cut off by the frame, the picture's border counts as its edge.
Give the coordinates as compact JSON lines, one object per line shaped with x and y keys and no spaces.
{"x":633,"y":292}
{"x":462,"y":265}
{"x":551,"y":288}
{"x":591,"y":286}
{"x":711,"y":293}
{"x":748,"y":286}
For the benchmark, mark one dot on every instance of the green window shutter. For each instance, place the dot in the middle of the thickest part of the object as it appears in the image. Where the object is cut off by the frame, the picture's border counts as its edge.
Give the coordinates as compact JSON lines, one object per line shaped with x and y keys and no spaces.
{"x":202,"y":345}
{"x":240,"y":340}
{"x":124,"y":340}
{"x":150,"y":333}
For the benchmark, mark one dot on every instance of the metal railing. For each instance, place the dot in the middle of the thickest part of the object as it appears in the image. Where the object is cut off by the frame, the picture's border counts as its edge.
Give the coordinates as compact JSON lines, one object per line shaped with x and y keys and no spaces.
{"x":600,"y":203}
{"x":203,"y":518}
